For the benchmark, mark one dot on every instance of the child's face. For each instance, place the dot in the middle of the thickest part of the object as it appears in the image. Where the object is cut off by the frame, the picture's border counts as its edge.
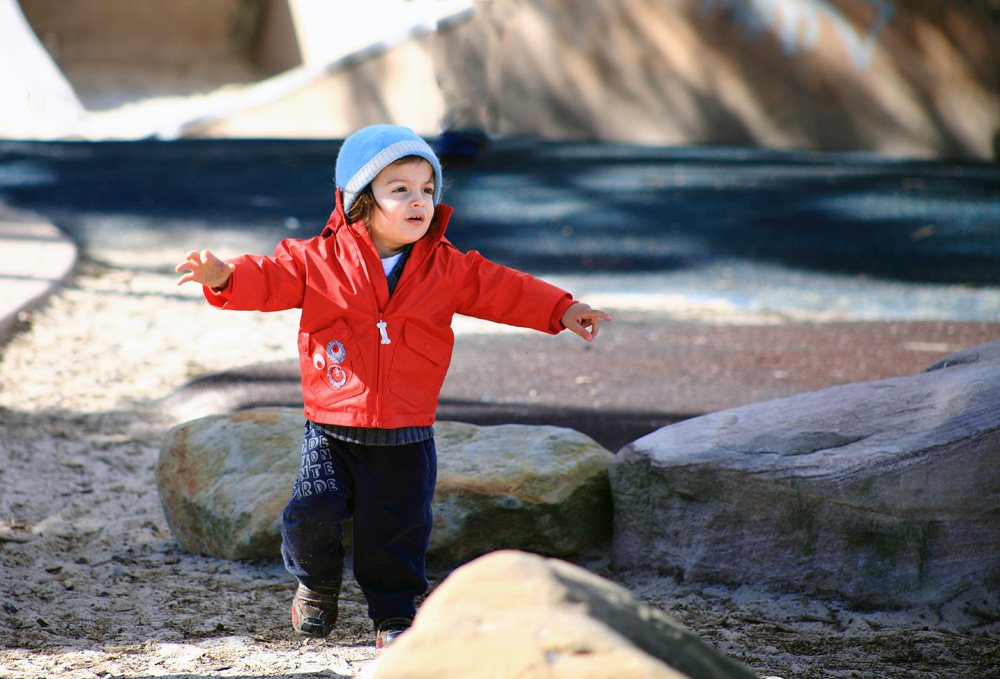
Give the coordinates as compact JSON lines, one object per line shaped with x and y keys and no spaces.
{"x":404,"y":205}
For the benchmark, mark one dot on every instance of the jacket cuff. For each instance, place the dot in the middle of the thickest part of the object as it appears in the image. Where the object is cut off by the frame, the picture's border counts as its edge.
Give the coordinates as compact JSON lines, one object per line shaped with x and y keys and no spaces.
{"x":218,"y":298}
{"x":555,"y":321}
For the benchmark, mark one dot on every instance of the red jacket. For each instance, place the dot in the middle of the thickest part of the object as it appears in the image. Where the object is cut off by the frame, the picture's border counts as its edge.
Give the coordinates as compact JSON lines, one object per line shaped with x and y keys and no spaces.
{"x":351,"y":374}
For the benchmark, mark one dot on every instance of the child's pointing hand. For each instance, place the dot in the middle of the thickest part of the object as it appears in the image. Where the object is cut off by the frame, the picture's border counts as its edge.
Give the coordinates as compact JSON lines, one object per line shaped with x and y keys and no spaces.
{"x":580,"y":316}
{"x":205,"y":268}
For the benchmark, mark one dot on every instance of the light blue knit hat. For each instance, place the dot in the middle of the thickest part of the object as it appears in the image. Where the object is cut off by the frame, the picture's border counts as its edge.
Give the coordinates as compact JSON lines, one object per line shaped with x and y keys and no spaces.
{"x":369,"y":150}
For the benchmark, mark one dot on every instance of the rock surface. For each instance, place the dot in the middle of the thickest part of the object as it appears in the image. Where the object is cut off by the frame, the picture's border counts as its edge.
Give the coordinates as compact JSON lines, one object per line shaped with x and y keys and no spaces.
{"x":885,"y":492}
{"x":988,"y":352}
{"x":539,"y":488}
{"x":563,"y":621}
{"x":891,"y":76}
{"x":224,"y":481}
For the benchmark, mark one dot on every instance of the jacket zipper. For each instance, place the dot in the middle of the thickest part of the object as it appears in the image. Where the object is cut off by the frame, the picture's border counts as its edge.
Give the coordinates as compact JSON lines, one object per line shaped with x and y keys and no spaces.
{"x":384,"y":339}
{"x":378,"y":380}
{"x":377,"y":420}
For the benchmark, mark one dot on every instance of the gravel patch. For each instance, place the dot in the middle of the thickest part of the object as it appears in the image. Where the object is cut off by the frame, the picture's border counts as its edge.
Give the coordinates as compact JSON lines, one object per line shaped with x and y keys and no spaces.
{"x":94,"y":584}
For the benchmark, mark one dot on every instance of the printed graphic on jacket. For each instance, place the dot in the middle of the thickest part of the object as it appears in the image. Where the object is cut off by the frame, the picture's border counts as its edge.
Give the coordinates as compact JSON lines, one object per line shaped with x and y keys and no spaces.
{"x":335,"y":355}
{"x":331,"y":365}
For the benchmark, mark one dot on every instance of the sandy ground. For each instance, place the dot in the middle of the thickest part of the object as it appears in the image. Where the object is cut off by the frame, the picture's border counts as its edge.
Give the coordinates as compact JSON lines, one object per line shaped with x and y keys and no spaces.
{"x":94,"y":585}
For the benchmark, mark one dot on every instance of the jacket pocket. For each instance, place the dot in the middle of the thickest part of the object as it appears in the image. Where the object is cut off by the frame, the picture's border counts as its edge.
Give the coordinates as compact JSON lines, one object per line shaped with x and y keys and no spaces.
{"x":419,"y":367}
{"x":331,"y":364}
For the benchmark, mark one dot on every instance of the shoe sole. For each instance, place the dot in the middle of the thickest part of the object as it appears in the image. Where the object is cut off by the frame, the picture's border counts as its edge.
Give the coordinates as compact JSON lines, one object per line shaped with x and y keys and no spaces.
{"x":312,"y":627}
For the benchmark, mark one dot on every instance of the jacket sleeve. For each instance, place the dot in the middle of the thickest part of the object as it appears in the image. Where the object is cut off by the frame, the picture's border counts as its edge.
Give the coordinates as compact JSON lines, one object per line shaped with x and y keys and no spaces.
{"x":262,"y":283}
{"x":498,"y":293}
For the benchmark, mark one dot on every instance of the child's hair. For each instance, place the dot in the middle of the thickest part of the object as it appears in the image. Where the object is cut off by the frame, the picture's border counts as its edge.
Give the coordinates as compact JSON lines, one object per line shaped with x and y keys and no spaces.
{"x":364,"y":204}
{"x":362,"y":207}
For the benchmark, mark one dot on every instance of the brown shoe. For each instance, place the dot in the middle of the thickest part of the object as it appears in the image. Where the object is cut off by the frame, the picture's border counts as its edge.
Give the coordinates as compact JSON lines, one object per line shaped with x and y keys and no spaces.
{"x":388,"y":629}
{"x":314,"y":613}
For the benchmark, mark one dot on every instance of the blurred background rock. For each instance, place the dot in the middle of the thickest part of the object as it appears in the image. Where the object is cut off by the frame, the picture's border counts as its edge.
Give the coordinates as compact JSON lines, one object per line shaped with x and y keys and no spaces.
{"x":910,"y":78}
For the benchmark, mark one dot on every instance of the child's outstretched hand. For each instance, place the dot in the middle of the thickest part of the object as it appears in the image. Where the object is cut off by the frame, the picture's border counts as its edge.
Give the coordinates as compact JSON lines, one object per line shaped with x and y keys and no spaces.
{"x":205,"y":268}
{"x":580,"y":316}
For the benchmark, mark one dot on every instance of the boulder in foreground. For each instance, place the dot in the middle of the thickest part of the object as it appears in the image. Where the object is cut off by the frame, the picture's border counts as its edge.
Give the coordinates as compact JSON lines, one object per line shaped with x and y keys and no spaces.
{"x":515,"y":615}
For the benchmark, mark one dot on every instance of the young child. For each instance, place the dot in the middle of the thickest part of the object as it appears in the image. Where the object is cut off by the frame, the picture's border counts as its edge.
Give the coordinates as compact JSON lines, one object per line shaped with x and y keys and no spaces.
{"x":378,"y":289}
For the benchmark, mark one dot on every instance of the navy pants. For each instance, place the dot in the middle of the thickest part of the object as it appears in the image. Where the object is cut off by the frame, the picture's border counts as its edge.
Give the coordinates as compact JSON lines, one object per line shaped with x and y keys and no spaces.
{"x":388,"y":491}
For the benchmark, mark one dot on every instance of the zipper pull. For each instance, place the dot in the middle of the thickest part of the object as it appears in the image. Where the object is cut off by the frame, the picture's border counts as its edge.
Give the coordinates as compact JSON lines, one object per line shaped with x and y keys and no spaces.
{"x":382,"y":325}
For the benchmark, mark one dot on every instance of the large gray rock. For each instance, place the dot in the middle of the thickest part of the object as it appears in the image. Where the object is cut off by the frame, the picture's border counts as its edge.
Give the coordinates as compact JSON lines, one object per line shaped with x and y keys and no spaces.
{"x":511,"y":614}
{"x":224,"y":480}
{"x":885,"y":492}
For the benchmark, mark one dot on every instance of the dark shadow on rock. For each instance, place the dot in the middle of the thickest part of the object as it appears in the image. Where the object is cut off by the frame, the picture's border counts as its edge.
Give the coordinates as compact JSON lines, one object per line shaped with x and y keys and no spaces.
{"x":277,"y":384}
{"x":613,"y":429}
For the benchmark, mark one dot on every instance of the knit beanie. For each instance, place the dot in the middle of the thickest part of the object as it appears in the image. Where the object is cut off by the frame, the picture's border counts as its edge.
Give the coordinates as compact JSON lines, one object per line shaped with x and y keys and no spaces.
{"x":369,"y":150}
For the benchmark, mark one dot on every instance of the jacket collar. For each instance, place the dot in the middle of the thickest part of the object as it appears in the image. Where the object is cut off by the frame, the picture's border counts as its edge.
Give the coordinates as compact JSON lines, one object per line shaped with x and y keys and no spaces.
{"x":338,"y":221}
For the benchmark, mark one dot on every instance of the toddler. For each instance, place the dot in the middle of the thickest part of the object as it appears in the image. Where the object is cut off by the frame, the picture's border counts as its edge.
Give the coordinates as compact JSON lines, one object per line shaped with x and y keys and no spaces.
{"x":377,"y":289}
